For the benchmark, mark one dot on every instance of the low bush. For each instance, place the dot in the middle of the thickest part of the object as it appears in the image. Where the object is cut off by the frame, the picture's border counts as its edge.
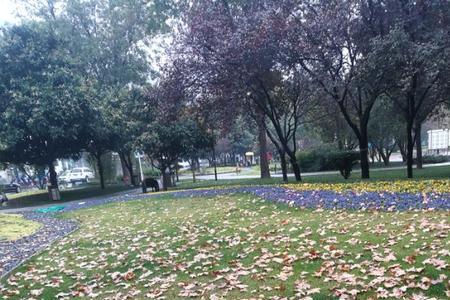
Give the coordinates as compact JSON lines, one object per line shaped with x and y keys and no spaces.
{"x":328,"y":159}
{"x":343,"y":161}
{"x":435,"y":159}
{"x":154,"y":173}
{"x":315,"y":160}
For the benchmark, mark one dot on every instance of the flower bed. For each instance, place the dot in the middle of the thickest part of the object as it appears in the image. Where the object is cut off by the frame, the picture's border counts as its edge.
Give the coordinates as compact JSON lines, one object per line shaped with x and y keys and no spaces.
{"x":398,"y":186}
{"x":343,"y":196}
{"x":326,"y":199}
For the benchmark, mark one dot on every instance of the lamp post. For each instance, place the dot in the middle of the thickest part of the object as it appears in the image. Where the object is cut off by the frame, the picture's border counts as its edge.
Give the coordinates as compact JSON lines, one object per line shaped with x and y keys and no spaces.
{"x":139,"y":155}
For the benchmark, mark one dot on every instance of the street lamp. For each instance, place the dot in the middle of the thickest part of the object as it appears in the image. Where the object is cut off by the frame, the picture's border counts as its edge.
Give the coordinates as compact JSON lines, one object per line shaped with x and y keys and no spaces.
{"x":139,"y":155}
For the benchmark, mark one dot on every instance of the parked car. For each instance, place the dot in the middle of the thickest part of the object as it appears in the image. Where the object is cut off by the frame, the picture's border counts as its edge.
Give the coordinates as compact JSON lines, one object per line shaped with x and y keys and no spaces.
{"x":80,"y":175}
{"x":64,"y":177}
{"x":9,"y":187}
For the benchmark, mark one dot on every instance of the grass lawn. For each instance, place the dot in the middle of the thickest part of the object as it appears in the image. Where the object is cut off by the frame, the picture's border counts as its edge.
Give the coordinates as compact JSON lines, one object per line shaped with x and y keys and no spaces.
{"x":13,"y":227}
{"x":254,"y":170}
{"x":40,"y":197}
{"x":210,"y":170}
{"x":237,"y":247}
{"x":440,"y":172}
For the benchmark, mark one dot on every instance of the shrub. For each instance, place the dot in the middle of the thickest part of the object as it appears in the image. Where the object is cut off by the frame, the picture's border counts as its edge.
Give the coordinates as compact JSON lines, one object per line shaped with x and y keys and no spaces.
{"x":327,"y":159}
{"x":343,"y":161}
{"x":435,"y":159}
{"x":316,"y":159}
{"x":154,"y":173}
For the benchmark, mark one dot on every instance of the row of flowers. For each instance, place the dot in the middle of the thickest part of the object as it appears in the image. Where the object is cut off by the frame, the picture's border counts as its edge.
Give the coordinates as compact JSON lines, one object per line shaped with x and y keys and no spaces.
{"x":327,"y":199}
{"x":341,"y":196}
{"x":396,"y":186}
{"x":395,"y":195}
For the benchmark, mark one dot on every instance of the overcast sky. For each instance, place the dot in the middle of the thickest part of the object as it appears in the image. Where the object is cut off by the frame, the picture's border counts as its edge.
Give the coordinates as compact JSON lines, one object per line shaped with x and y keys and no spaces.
{"x":7,"y":11}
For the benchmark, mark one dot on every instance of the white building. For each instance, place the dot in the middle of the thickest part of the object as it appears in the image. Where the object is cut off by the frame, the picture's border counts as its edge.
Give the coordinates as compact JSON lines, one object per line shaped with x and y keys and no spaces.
{"x":439,"y":141}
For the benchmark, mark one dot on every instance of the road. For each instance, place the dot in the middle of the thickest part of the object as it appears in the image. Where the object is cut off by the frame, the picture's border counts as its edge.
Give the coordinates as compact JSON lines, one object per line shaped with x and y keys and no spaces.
{"x":228,"y":176}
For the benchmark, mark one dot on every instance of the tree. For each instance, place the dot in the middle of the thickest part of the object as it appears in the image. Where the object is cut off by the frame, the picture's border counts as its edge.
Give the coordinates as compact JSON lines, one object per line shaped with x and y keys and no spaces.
{"x":101,"y":138}
{"x":110,"y":55}
{"x":166,"y":143}
{"x":230,"y":69}
{"x":418,"y":47}
{"x":126,"y":127}
{"x":287,"y":105}
{"x":241,"y":136}
{"x":331,"y":40}
{"x":384,"y":129}
{"x":46,"y":105}
{"x":102,"y":42}
{"x":195,"y":141}
{"x":332,"y":127}
{"x":108,"y":37}
{"x":169,"y":131}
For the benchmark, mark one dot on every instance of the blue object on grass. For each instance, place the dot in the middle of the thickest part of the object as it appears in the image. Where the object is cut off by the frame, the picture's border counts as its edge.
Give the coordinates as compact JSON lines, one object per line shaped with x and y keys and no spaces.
{"x":50,"y":209}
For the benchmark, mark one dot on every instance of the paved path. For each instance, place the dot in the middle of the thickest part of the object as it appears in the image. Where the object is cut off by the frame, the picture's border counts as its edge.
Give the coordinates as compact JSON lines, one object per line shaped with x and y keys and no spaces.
{"x":71,"y":203}
{"x":14,"y":253}
{"x":228,"y":176}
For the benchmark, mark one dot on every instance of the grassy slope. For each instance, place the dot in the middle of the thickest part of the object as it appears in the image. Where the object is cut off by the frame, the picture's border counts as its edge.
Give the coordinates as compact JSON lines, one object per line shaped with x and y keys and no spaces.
{"x":441,"y":172}
{"x":13,"y":227}
{"x":134,"y":248}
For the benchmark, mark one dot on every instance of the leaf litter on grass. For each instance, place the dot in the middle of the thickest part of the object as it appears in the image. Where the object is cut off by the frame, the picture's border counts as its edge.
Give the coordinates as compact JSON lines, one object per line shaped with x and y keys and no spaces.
{"x":240,"y":247}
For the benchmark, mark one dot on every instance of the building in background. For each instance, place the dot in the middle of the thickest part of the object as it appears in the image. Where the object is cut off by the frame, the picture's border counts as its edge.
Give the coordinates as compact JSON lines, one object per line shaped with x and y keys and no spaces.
{"x":438,"y":141}
{"x":438,"y":133}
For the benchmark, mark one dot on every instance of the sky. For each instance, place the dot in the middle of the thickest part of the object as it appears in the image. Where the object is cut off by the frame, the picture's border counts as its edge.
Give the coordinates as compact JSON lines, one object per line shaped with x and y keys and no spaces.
{"x":7,"y":11}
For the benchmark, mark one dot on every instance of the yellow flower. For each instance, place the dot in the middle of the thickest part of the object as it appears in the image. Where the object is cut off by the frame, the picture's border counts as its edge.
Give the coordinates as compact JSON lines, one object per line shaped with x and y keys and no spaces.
{"x":398,"y":186}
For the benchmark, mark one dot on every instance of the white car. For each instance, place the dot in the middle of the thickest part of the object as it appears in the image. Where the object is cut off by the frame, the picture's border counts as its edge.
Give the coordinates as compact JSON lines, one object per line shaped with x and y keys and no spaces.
{"x":64,"y":177}
{"x":80,"y":175}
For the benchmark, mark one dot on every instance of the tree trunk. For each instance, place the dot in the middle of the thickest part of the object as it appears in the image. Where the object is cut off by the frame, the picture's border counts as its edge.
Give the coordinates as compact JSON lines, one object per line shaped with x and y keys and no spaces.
{"x":418,"y":135}
{"x":125,"y":172}
{"x":364,"y":155}
{"x":41,"y":177}
{"x":296,"y":169}
{"x":214,"y":162}
{"x":172,"y":178}
{"x":384,"y":156}
{"x":283,"y":164}
{"x":53,"y":175}
{"x":402,"y":149}
{"x":129,"y":166}
{"x":262,"y":139}
{"x":167,"y":179}
{"x":409,"y":149}
{"x":372,"y":155}
{"x":193,"y":167}
{"x":388,"y":157}
{"x":340,"y":142}
{"x":100,"y":171}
